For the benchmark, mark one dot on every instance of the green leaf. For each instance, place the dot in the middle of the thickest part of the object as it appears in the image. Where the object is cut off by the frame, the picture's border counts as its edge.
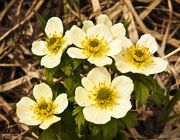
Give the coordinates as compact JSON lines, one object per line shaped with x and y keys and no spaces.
{"x":158,"y":95}
{"x":121,"y":136}
{"x":141,"y":92}
{"x":77,"y":110}
{"x":168,"y":109}
{"x":172,"y":102}
{"x":80,"y":120}
{"x":48,"y":134}
{"x":130,"y":120}
{"x":76,"y":63}
{"x":49,"y":75}
{"x":70,"y":83}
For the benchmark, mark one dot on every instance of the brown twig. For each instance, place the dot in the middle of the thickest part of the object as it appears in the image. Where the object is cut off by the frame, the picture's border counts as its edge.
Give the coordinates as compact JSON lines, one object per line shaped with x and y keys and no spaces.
{"x":7,"y":7}
{"x":38,"y":5}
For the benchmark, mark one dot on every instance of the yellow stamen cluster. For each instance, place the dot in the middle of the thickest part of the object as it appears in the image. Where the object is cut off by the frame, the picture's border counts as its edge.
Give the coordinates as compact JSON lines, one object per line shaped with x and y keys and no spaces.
{"x":44,"y":109}
{"x":54,"y":43}
{"x":104,"y":97}
{"x":140,"y":56}
{"x":93,"y":46}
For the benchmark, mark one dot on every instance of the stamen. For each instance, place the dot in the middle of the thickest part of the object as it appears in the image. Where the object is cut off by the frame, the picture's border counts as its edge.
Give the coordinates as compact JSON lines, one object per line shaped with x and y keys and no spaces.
{"x":139,"y":56}
{"x":43,"y":109}
{"x":105,"y":97}
{"x":54,"y":43}
{"x":93,"y":46}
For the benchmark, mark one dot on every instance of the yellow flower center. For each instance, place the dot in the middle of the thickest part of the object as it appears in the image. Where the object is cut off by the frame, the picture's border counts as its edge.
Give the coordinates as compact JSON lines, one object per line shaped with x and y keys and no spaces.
{"x":44,"y":109}
{"x":140,"y":56}
{"x":104,"y":96}
{"x":93,"y":46}
{"x":55,"y":43}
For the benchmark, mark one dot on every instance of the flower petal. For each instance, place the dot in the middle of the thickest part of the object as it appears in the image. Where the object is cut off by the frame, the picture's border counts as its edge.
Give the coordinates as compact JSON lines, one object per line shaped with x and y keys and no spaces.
{"x":115,"y":47}
{"x":158,"y":66}
{"x":76,"y":53}
{"x":54,"y":26}
{"x":96,"y":115}
{"x":99,"y":75}
{"x":42,"y":90}
{"x":39,"y":48}
{"x":148,"y":41}
{"x":46,"y":123}
{"x":24,"y":111}
{"x":125,"y":42}
{"x":119,"y":111}
{"x":87,"y":24}
{"x":76,"y":35}
{"x":81,"y":97}
{"x":67,"y":39}
{"x":118,"y":30}
{"x":100,"y":61}
{"x":62,"y":102}
{"x":88,"y":85}
{"x":122,"y":65}
{"x":124,"y":85}
{"x":104,"y":19}
{"x":51,"y":61}
{"x":100,"y":30}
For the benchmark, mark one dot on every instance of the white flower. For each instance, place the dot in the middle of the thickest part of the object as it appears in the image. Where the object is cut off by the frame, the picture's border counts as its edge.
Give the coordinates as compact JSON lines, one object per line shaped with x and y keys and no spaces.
{"x":95,"y":45}
{"x":139,"y":58}
{"x":117,"y":30}
{"x":54,"y":45}
{"x":44,"y":110}
{"x":103,"y":99}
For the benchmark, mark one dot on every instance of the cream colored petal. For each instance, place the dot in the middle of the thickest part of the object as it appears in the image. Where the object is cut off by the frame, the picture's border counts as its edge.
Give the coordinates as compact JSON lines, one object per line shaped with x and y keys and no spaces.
{"x":100,"y":61}
{"x":99,"y":75}
{"x":87,"y":24}
{"x":148,"y":41}
{"x":39,"y":48}
{"x":121,"y":63}
{"x":100,"y":30}
{"x":46,"y":123}
{"x":118,"y":30}
{"x":104,"y":19}
{"x":61,"y":102}
{"x":96,"y":115}
{"x":51,"y":61}
{"x":158,"y":66}
{"x":24,"y":111}
{"x":76,"y":53}
{"x":42,"y":90}
{"x":115,"y":47}
{"x":54,"y":26}
{"x":124,"y":85}
{"x":76,"y":35}
{"x":81,"y":96}
{"x":125,"y":42}
{"x":67,"y":39}
{"x":119,"y":111}
{"x":87,"y":84}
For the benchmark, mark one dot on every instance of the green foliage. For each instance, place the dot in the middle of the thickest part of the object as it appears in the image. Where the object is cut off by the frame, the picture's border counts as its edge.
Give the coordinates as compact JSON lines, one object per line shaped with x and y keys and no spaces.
{"x":48,"y":134}
{"x":69,"y":65}
{"x":130,"y":120}
{"x":169,"y":105}
{"x":49,"y":75}
{"x":142,"y":93}
{"x":70,"y":83}
{"x":145,"y":86}
{"x":79,"y":119}
{"x":114,"y":127}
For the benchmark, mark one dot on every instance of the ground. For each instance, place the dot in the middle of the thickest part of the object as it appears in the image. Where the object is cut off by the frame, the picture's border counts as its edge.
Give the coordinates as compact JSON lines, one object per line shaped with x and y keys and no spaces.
{"x":20,"y":69}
